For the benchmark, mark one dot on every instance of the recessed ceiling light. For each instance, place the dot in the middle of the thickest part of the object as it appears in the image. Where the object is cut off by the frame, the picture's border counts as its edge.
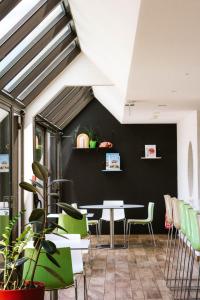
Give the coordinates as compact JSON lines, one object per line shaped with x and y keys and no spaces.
{"x":130,"y":104}
{"x":162,"y":105}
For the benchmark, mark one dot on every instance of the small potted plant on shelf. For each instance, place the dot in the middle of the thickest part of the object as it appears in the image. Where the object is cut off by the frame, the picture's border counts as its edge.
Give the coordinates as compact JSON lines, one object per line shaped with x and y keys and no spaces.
{"x":13,"y":285}
{"x":93,"y":137}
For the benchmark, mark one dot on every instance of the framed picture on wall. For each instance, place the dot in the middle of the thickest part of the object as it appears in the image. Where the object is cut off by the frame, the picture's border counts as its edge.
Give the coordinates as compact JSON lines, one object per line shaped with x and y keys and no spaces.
{"x":112,"y":161}
{"x":4,"y":163}
{"x":150,"y":151}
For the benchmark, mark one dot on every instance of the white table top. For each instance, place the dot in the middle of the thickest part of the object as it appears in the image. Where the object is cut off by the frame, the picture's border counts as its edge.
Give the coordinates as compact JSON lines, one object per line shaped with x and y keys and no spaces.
{"x":56,"y":216}
{"x":102,"y":206}
{"x":62,"y":242}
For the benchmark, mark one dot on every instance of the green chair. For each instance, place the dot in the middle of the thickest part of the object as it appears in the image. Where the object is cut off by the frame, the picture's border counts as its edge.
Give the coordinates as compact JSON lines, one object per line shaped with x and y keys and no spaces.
{"x":4,"y":221}
{"x":64,"y":272}
{"x":148,"y":221}
{"x":194,"y":246}
{"x":170,"y":262}
{"x":184,"y":238}
{"x":73,"y":226}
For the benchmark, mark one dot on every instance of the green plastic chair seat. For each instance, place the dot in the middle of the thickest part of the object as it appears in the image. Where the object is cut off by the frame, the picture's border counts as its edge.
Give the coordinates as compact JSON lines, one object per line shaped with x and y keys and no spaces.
{"x":51,"y":282}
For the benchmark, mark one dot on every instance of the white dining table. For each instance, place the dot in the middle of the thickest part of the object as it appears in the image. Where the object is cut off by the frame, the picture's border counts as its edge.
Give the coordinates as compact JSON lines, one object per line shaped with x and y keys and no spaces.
{"x":111,"y":208}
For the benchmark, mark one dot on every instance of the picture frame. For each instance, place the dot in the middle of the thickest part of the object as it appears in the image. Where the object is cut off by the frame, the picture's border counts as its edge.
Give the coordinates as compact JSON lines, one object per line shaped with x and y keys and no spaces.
{"x":4,"y":163}
{"x":112,"y":161}
{"x":150,"y":151}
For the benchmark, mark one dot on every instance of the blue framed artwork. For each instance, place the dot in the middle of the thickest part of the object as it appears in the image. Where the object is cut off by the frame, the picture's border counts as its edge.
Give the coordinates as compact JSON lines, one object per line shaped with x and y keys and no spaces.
{"x":4,"y":163}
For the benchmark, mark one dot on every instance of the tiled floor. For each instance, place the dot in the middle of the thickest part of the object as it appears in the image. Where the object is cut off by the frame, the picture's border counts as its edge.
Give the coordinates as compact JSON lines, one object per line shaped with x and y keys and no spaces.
{"x":133,"y":273}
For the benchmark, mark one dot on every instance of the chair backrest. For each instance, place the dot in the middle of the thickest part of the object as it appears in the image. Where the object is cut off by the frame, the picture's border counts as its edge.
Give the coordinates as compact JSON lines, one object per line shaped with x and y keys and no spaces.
{"x":188,"y":221}
{"x":150,"y":211}
{"x":176,"y":212}
{"x":119,"y":213}
{"x":72,"y":225}
{"x":168,"y":207}
{"x":195,"y":229}
{"x":64,"y":273}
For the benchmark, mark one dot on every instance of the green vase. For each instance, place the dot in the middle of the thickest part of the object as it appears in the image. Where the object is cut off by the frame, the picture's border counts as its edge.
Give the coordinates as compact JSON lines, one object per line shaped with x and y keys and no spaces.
{"x":93,"y":144}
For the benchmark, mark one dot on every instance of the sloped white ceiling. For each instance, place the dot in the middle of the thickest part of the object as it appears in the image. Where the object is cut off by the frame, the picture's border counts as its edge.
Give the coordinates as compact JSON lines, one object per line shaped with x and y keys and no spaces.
{"x":150,"y":52}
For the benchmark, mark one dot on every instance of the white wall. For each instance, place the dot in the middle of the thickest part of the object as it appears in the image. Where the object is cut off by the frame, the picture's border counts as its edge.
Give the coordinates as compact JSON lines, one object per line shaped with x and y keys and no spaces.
{"x":187,"y":132}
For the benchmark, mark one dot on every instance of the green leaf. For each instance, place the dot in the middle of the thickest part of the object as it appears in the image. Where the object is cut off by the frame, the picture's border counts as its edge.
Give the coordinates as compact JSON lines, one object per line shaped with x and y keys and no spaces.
{"x":36,"y":215}
{"x":54,"y":273}
{"x":71,"y":211}
{"x":29,"y":187}
{"x":49,"y":246}
{"x":40,"y":171}
{"x":53,"y":260}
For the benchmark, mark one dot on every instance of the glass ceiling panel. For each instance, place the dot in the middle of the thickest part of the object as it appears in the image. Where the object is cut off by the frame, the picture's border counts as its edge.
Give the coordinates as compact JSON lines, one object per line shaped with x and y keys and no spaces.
{"x":47,"y":71}
{"x":31,"y":39}
{"x":38,"y":58}
{"x":17,"y":16}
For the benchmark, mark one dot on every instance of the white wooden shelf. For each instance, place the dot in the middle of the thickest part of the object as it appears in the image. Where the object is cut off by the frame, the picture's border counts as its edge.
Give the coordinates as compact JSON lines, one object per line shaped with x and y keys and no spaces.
{"x":111,"y":170}
{"x":158,"y":157}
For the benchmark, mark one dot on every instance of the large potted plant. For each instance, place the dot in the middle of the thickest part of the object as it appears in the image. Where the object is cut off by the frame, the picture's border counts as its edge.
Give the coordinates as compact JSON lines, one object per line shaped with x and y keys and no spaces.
{"x":13,"y":286}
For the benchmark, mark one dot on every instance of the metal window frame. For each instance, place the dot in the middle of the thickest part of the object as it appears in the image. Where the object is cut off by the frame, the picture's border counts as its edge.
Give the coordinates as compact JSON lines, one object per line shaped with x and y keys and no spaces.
{"x":31,"y":43}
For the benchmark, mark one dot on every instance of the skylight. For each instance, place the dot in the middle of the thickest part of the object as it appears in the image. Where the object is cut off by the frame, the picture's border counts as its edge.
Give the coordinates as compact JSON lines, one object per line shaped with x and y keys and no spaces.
{"x":47,"y":71}
{"x":17,"y":16}
{"x":31,"y":38}
{"x":38,"y":58}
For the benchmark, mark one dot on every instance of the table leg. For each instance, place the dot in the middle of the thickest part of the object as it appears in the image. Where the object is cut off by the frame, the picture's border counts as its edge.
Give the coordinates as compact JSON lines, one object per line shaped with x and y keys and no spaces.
{"x":54,"y":295}
{"x":112,"y":228}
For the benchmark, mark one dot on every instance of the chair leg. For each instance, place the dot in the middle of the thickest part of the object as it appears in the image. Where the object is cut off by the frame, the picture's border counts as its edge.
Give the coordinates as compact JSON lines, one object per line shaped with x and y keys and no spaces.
{"x":154,"y":241}
{"x":97,"y":231}
{"x":129,"y":232}
{"x":85,"y":286}
{"x":76,"y":289}
{"x":100,"y":225}
{"x":179,"y":267}
{"x":198,"y":281}
{"x":168,"y":259}
{"x":124,"y":221}
{"x":170,"y":276}
{"x":54,"y":295}
{"x":167,"y":250}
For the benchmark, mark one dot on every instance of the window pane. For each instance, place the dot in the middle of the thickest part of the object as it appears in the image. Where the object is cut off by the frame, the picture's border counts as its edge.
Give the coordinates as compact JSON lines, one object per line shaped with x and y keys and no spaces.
{"x":31,"y":39}
{"x":38,"y":58}
{"x":39,"y":144}
{"x":18,"y":16}
{"x":46,"y":71}
{"x":4,"y":168}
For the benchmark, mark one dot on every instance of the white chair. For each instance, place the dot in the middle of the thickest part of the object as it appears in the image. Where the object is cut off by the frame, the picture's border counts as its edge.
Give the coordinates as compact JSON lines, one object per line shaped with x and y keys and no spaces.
{"x":119,"y":214}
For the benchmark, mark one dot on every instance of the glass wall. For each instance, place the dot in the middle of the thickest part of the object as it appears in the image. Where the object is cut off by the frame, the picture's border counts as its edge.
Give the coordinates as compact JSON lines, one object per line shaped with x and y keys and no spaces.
{"x":46,"y":152}
{"x":5,"y":170}
{"x":39,"y":144}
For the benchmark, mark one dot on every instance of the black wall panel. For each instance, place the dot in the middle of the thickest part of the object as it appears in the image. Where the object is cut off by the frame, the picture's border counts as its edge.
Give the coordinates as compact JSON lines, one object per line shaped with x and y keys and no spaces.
{"x":141,"y":180}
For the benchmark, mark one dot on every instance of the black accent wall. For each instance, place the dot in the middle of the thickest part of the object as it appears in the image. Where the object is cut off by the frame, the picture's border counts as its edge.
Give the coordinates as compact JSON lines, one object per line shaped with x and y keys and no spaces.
{"x":140,"y":182}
